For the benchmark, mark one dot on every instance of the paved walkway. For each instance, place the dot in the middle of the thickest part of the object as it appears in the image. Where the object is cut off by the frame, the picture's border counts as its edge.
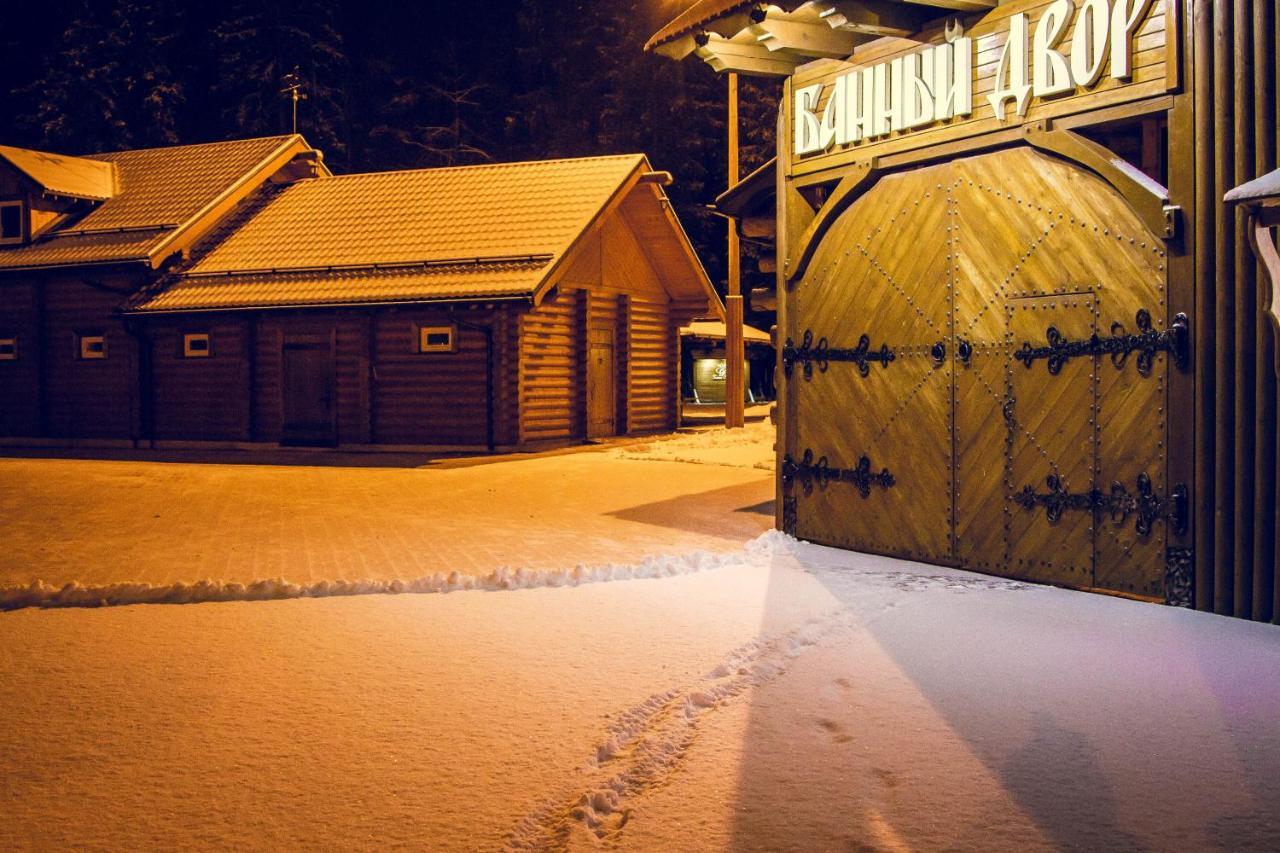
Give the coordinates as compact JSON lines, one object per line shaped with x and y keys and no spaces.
{"x":310,"y":517}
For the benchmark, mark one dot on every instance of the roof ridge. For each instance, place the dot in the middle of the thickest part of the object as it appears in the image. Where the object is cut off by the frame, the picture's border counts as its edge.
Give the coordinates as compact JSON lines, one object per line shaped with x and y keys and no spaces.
{"x":279,"y":136}
{"x":477,"y":166}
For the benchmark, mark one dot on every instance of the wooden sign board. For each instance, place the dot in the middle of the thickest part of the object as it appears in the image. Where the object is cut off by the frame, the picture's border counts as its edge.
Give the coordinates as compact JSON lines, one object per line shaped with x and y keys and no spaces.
{"x":1153,"y":71}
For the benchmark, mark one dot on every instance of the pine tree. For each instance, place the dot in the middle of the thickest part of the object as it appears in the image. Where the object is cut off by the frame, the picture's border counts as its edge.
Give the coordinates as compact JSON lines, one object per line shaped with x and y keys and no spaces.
{"x":113,"y":84}
{"x":255,"y":43}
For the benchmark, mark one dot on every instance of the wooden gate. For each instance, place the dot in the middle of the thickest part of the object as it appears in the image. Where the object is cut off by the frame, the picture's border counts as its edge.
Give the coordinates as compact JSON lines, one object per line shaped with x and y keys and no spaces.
{"x":977,"y":359}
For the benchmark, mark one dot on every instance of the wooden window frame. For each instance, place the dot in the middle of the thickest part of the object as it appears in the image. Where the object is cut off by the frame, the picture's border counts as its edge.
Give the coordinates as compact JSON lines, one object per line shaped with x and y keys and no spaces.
{"x":21,"y":204}
{"x":84,"y":355}
{"x":11,"y":341}
{"x":424,"y":331}
{"x":187,"y":352}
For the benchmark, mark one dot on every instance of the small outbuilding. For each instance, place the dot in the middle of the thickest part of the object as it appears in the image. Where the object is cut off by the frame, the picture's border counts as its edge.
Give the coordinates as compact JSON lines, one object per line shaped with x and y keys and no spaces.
{"x":494,"y":306}
{"x":703,"y":364}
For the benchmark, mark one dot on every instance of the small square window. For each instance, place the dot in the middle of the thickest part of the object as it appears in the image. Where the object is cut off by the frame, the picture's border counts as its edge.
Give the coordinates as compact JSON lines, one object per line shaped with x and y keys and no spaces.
{"x":195,"y":345}
{"x":93,"y":346}
{"x":435,"y":339}
{"x":11,"y":230}
{"x":8,"y":349}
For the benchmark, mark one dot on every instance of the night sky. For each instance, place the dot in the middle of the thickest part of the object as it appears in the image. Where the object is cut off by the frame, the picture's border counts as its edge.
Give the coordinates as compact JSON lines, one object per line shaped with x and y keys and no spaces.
{"x":389,"y":85}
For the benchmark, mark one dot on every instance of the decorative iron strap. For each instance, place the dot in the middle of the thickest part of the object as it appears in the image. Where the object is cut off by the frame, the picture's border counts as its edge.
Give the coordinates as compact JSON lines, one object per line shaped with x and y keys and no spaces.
{"x":1120,"y":503}
{"x":1179,"y":576}
{"x":1120,"y":345}
{"x":808,"y":473}
{"x":822,"y":354}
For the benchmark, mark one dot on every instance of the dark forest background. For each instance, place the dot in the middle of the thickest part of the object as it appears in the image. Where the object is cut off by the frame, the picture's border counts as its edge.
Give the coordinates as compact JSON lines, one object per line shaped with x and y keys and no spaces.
{"x":388,"y":85}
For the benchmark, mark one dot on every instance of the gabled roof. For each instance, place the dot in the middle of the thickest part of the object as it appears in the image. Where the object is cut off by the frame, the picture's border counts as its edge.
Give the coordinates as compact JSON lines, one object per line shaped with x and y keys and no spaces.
{"x":474,"y":232}
{"x":161,"y":195}
{"x":57,"y":174}
{"x":715,"y":330}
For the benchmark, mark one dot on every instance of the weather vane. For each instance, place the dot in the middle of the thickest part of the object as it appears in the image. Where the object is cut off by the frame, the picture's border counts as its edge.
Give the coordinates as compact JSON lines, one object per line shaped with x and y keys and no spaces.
{"x":292,"y":83}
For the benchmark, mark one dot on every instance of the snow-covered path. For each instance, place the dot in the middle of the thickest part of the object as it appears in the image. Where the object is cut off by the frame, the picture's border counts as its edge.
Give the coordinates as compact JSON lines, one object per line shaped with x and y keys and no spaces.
{"x":813,"y":700}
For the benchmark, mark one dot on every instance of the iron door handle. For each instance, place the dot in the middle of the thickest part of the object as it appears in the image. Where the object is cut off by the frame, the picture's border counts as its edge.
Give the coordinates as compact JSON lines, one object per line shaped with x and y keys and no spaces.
{"x":964,"y":352}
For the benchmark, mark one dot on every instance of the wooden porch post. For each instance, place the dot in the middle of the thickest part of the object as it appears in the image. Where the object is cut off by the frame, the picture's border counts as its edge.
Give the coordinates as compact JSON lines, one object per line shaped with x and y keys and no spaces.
{"x":734,"y":386}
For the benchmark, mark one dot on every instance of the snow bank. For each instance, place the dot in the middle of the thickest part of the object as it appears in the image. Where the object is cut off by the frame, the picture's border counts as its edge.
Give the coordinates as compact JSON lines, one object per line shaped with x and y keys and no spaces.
{"x":749,"y":447}
{"x":40,"y":594}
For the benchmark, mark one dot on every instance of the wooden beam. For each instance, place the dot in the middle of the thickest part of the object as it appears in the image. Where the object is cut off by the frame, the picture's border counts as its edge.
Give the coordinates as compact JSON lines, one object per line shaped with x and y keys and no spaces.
{"x":874,"y":17}
{"x":759,"y":227}
{"x":805,"y":39}
{"x":958,"y":5}
{"x":751,"y":59}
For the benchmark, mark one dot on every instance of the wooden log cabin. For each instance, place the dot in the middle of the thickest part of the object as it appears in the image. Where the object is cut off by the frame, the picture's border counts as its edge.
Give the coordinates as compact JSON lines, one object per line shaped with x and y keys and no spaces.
{"x":240,"y":295}
{"x":1020,"y":330}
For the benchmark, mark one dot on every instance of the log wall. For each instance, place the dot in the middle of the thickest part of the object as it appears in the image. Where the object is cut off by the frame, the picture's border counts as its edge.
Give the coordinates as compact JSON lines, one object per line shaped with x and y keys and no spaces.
{"x":95,"y":398}
{"x":201,"y":399}
{"x":651,"y":365}
{"x":429,"y":398}
{"x":551,"y":377}
{"x":20,"y":378}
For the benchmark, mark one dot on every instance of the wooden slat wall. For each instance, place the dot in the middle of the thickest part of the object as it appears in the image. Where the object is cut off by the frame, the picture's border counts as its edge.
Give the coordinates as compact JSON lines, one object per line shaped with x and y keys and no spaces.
{"x":1234,"y":79}
{"x":200,"y":399}
{"x":552,"y":392}
{"x":89,"y":399}
{"x":650,"y":366}
{"x":20,"y":379}
{"x":429,"y":398}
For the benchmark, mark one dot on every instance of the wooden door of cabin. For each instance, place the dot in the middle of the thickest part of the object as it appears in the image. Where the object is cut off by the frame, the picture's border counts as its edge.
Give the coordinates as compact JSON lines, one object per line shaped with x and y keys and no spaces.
{"x":308,"y":411}
{"x":1020,"y":407}
{"x":602,"y":394}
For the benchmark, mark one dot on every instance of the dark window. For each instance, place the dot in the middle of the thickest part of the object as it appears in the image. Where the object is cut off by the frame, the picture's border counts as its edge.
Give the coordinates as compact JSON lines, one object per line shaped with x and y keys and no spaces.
{"x":195,"y":345}
{"x":11,"y":222}
{"x":435,"y":339}
{"x":93,"y":346}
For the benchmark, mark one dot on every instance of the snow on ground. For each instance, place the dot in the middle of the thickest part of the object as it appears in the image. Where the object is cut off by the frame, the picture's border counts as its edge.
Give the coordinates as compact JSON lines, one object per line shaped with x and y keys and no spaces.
{"x":749,"y":447}
{"x":330,"y":521}
{"x":811,"y":700}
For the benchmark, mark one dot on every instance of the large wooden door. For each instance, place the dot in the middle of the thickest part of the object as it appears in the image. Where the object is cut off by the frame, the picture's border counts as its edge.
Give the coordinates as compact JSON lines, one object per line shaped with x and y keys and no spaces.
{"x":1020,"y":408}
{"x":870,"y":454}
{"x":602,"y":394}
{"x":308,"y":413}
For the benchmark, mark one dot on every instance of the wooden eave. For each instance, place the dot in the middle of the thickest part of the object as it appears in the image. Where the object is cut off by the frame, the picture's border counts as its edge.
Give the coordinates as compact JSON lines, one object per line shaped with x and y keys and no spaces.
{"x":771,"y":40}
{"x":748,"y":195}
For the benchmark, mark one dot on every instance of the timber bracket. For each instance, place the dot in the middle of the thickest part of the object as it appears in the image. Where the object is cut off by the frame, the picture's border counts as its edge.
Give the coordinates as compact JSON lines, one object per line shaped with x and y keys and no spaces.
{"x":821,"y":354}
{"x":1119,"y":503}
{"x":809,"y":473}
{"x":1146,"y":341}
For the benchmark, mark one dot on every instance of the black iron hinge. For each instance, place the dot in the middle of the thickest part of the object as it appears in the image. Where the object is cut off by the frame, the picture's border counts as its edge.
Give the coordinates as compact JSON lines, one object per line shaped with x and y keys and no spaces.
{"x":822,"y":354}
{"x":1119,"y":503}
{"x":809,"y":472}
{"x":1175,"y":340}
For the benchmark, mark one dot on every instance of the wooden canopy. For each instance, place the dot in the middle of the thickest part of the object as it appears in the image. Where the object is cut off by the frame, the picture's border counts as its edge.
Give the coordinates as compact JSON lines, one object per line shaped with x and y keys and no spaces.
{"x":772,"y":39}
